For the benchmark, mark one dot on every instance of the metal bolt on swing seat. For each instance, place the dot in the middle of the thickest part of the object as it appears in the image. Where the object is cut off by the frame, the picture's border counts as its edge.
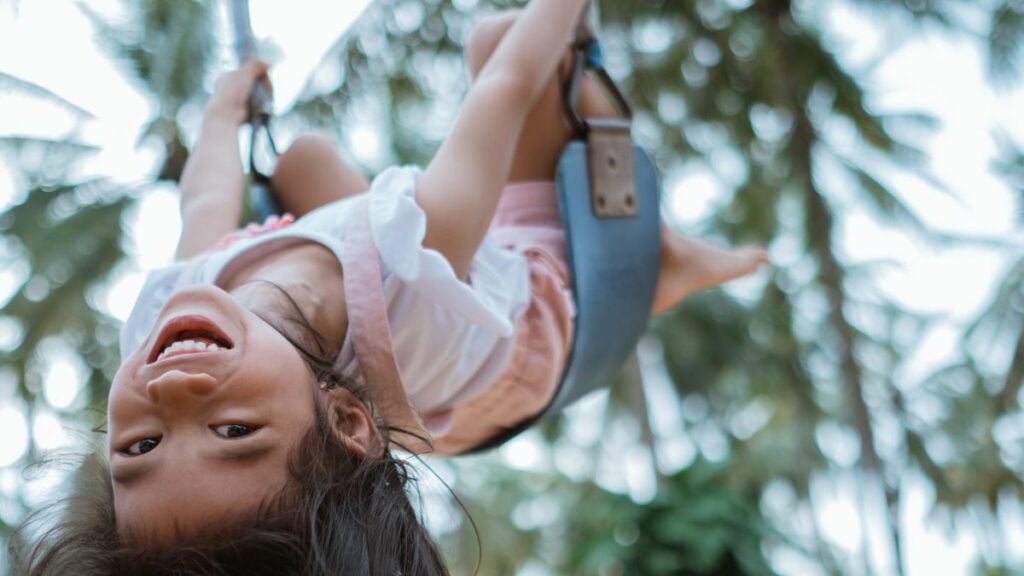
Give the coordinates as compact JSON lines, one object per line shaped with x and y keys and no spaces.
{"x":611,"y":167}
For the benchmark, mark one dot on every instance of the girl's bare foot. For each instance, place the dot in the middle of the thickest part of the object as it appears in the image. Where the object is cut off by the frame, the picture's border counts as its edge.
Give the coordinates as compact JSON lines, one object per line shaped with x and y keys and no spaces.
{"x":689,"y":265}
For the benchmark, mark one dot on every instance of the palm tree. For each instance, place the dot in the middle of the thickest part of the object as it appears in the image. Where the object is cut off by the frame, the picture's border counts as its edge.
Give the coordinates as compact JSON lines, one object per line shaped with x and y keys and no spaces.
{"x":168,"y":48}
{"x":749,"y":89}
{"x":65,"y":231}
{"x":758,"y":83}
{"x":752,"y":83}
{"x":980,"y":395}
{"x":62,"y":238}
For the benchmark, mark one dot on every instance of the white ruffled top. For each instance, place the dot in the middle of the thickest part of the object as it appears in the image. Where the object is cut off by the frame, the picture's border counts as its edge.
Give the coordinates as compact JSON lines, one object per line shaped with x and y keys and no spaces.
{"x":451,"y":338}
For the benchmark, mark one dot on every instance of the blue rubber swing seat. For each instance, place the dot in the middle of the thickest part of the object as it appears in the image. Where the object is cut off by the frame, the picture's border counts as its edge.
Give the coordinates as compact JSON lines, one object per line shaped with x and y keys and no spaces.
{"x":614,"y":252}
{"x":614,"y":267}
{"x":614,"y":264}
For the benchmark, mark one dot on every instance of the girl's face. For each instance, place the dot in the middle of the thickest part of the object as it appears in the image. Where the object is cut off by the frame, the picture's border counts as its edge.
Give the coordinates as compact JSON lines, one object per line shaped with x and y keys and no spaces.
{"x":202,"y":418}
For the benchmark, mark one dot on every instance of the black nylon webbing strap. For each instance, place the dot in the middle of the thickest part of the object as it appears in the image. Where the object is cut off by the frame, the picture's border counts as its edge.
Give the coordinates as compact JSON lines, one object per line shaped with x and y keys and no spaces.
{"x":587,"y":56}
{"x":586,"y":30}
{"x":260,"y":101}
{"x":260,"y":108}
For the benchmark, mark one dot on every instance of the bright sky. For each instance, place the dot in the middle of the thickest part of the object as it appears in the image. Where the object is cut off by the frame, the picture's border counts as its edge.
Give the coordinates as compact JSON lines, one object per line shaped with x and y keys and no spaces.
{"x":929,"y":74}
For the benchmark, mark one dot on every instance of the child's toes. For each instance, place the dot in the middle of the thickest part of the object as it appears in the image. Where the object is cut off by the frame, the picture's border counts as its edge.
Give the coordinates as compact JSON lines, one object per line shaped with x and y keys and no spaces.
{"x":690,"y":265}
{"x":735,"y":263}
{"x":750,"y":258}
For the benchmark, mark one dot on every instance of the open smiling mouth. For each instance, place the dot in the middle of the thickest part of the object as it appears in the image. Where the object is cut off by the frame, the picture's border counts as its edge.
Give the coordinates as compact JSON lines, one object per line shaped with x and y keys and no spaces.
{"x":188,"y":336}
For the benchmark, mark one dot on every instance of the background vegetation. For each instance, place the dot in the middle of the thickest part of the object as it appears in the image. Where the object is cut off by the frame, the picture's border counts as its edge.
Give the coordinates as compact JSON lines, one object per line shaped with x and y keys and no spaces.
{"x":745,"y":412}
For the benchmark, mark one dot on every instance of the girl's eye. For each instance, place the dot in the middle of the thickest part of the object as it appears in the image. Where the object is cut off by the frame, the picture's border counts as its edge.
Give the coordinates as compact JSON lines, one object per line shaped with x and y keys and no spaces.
{"x":234,"y":430}
{"x":143,"y":446}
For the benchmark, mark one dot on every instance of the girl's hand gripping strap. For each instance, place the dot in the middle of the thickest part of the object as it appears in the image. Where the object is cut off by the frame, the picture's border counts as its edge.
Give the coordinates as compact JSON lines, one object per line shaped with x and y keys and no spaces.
{"x":371,"y":335}
{"x":260,"y":101}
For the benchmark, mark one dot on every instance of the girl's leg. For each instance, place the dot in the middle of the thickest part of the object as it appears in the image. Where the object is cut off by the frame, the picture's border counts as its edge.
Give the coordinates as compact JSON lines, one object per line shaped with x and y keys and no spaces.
{"x":311,"y":173}
{"x":546,"y":131}
{"x":688,"y":265}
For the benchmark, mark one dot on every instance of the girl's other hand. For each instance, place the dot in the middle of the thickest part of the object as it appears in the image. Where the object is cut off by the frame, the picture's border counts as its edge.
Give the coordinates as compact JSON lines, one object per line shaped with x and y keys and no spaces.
{"x":230,"y":100}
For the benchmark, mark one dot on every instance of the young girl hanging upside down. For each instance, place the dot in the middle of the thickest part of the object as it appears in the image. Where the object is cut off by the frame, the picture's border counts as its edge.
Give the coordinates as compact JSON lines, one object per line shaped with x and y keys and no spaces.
{"x":266,"y":379}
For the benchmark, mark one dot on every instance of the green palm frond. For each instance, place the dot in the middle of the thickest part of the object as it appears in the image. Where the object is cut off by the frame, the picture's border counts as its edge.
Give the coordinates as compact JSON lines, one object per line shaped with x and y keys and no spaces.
{"x":755,"y":83}
{"x":1005,"y":305}
{"x":15,"y":145}
{"x":700,"y":524}
{"x":943,"y":12}
{"x":1010,"y":165}
{"x":15,"y":85}
{"x":887,"y":203}
{"x":1006,"y":41}
{"x":167,"y":45}
{"x":70,"y":238}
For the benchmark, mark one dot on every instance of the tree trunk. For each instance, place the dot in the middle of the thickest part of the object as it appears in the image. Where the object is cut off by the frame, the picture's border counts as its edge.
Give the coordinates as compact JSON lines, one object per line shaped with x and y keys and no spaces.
{"x":1014,"y":377}
{"x":820,"y":225}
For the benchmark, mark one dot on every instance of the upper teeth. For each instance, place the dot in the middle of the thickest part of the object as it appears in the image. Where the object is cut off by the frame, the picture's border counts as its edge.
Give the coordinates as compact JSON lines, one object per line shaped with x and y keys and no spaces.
{"x":188,"y":346}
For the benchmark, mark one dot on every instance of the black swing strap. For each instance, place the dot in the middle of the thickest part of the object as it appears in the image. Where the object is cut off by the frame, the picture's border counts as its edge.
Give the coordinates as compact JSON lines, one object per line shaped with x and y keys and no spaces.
{"x":609,"y":141}
{"x":608,"y":192}
{"x":588,"y":55}
{"x":260,"y":107}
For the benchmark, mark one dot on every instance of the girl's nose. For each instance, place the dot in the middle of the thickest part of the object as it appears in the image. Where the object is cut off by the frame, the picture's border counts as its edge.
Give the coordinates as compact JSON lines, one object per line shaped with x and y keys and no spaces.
{"x":176,"y":382}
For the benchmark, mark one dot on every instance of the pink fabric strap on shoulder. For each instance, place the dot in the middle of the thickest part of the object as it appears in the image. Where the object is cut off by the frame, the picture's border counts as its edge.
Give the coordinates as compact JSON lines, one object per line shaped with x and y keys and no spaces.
{"x":371,"y":334}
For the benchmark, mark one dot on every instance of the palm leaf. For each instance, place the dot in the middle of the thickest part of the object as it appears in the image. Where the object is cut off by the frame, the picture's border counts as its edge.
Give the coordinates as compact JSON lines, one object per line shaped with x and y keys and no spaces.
{"x":68,"y":256}
{"x":929,"y":11}
{"x":885,"y":201}
{"x":1004,"y":311}
{"x":1010,"y":164}
{"x":1006,"y":30}
{"x":17,"y":144}
{"x":167,"y":45}
{"x":13,"y":84}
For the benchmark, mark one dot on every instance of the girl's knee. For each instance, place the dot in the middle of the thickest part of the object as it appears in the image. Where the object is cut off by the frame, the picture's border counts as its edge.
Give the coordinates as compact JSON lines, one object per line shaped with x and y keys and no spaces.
{"x":312,"y":173}
{"x":309,"y":146}
{"x":484,"y":38}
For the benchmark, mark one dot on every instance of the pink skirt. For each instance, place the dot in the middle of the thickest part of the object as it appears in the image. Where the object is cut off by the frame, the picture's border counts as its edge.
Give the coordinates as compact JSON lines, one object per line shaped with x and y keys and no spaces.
{"x":527,"y":221}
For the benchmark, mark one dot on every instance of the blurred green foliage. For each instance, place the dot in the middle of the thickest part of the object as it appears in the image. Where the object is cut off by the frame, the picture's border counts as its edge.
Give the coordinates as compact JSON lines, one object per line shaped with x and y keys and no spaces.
{"x":749,"y":92}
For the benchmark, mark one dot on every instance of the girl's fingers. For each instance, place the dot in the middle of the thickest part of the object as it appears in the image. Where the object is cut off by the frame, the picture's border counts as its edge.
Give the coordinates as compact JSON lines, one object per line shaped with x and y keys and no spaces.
{"x":256,"y":71}
{"x":255,"y":68}
{"x":232,"y":90}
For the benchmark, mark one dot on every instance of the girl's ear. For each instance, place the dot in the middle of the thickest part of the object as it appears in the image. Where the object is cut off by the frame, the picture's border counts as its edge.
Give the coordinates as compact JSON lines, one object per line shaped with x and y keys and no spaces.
{"x":353,"y":424}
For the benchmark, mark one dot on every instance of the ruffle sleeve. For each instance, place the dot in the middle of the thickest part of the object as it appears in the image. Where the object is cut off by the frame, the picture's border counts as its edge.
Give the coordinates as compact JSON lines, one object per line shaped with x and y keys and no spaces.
{"x":498,"y":286}
{"x":451,"y":338}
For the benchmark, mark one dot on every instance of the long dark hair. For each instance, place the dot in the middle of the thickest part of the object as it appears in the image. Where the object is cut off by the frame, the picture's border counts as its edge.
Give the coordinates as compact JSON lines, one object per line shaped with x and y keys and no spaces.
{"x":340,"y":514}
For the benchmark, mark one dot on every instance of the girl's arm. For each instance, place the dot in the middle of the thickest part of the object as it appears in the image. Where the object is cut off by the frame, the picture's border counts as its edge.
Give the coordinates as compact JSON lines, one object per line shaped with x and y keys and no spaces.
{"x":459,"y":190}
{"x":213,"y":181}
